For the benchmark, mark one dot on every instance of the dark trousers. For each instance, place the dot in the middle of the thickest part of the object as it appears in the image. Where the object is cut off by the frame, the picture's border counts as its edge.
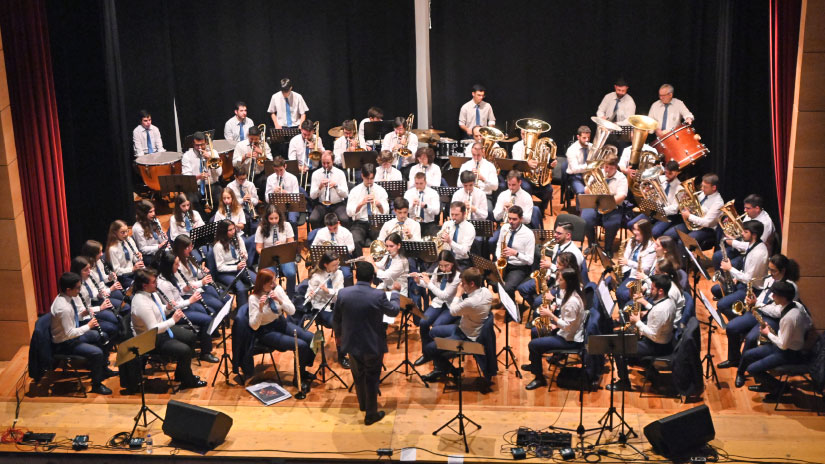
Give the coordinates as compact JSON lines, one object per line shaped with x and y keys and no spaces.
{"x":644,"y":348}
{"x":610,"y":221}
{"x":362,"y":234}
{"x":513,"y":277}
{"x":284,"y":340}
{"x":366,"y":373}
{"x":431,"y":351}
{"x":757,"y":361}
{"x":316,"y":219}
{"x":325,"y":317}
{"x":702,"y":235}
{"x":88,"y":346}
{"x":434,"y":317}
{"x":745,"y":328}
{"x":199,"y":201}
{"x":240,"y":288}
{"x":725,"y":303}
{"x":179,"y":348}
{"x":200,"y":319}
{"x":540,"y":345}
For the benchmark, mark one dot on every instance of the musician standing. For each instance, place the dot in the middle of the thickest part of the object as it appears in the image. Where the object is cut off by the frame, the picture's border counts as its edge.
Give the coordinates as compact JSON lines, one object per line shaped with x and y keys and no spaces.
{"x":475,"y":112}
{"x":617,"y":106}
{"x":458,"y":235}
{"x":237,"y":126}
{"x":711,"y":202}
{"x":247,"y":154}
{"x":146,"y":137}
{"x":329,"y":189}
{"x":669,"y":112}
{"x":394,"y":141}
{"x":517,"y":245}
{"x":195,"y":162}
{"x":472,"y":197}
{"x":401,"y":223}
{"x":365,"y":200}
{"x":617,"y":186}
{"x":577,"y":159}
{"x":287,"y":108}
{"x":359,"y":313}
{"x":302,"y":144}
{"x":424,"y":203}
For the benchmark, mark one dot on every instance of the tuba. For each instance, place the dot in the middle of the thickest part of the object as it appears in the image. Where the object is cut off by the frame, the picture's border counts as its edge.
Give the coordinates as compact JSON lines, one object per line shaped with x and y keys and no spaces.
{"x":687,"y":200}
{"x":541,"y":149}
{"x":603,"y":130}
{"x":643,"y":161}
{"x":491,"y":135}
{"x":729,"y":221}
{"x":315,"y":154}
{"x":597,"y":185}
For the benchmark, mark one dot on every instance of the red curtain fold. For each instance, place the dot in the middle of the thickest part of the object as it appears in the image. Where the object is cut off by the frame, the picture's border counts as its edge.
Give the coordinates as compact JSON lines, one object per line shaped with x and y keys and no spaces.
{"x":37,"y":135}
{"x":784,"y":31}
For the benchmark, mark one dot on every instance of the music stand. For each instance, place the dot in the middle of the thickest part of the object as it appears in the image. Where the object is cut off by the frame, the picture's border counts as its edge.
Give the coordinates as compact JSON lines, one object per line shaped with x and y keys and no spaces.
{"x":694,"y":248}
{"x":177,"y":183}
{"x":377,"y":220}
{"x":710,"y":367}
{"x":423,"y":250}
{"x":225,"y":358}
{"x":651,"y":208}
{"x":203,"y":235}
{"x":289,"y":202}
{"x":542,"y":235}
{"x":487,"y":268}
{"x":394,"y":188}
{"x":274,"y":255}
{"x":283,"y":135}
{"x":512,"y":314}
{"x":484,"y":229}
{"x":461,"y":348}
{"x":137,"y":347}
{"x":408,"y":309}
{"x":376,"y":130}
{"x":600,"y":202}
{"x":506,"y":164}
{"x":446,"y":193}
{"x":457,"y":161}
{"x":353,"y":160}
{"x":321,"y":373}
{"x":316,"y":251}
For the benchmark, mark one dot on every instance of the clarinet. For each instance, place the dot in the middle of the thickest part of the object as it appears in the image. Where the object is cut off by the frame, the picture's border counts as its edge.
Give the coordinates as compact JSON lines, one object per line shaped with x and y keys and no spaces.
{"x":167,"y":301}
{"x":241,"y":257}
{"x":161,"y":233}
{"x":137,"y":256}
{"x":103,"y":337}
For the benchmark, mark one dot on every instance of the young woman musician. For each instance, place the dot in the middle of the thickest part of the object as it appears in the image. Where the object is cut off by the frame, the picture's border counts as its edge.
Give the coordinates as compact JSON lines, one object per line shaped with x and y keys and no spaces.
{"x":230,"y":259}
{"x":170,"y":290}
{"x":675,"y":293}
{"x":231,"y":209}
{"x":122,"y":253}
{"x":273,"y":231}
{"x":394,"y":268}
{"x":94,"y":302}
{"x":325,"y":280}
{"x":639,"y":253}
{"x":102,"y":274}
{"x":147,"y":231}
{"x":568,"y":327}
{"x":184,"y":218}
{"x":442,"y":283}
{"x":195,"y":276}
{"x":267,"y":309}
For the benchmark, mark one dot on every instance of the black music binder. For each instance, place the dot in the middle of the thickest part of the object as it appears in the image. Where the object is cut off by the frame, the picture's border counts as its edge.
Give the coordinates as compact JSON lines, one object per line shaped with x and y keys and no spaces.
{"x":178,"y":183}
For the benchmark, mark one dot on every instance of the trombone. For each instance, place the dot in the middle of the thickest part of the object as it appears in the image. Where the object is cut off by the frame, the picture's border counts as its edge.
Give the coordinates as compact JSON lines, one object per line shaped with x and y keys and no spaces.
{"x":212,"y":162}
{"x":261,"y":158}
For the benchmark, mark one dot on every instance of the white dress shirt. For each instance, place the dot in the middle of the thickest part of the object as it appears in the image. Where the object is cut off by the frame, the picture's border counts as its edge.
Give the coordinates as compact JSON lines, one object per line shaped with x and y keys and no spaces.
{"x":755,"y":266}
{"x":571,"y":319}
{"x":473,"y":311}
{"x":146,"y":314}
{"x":89,"y":292}
{"x":433,"y":173}
{"x":411,"y":225}
{"x":259,"y":316}
{"x":627,"y":108}
{"x":467,"y":115}
{"x":242,"y":149}
{"x":168,"y":290}
{"x":63,"y":325}
{"x":522,"y":199}
{"x":338,"y":193}
{"x":321,"y":280}
{"x":624,"y":160}
{"x":297,"y":106}
{"x":792,"y":328}
{"x":339,"y":147}
{"x":358,"y":193}
{"x":237,"y":217}
{"x":672,"y":206}
{"x":767,"y":231}
{"x":524,"y":242}
{"x":224,"y":261}
{"x":568,"y":247}
{"x":476,"y":198}
{"x":247,"y":187}
{"x":382,"y":174}
{"x":676,"y":113}
{"x":461,"y":245}
{"x":176,"y":228}
{"x":443,"y":297}
{"x":289,"y":184}
{"x":575,"y":158}
{"x":276,"y":234}
{"x":391,"y":139}
{"x":361,"y":139}
{"x":139,"y":142}
{"x":192,"y":164}
{"x":117,"y":256}
{"x":395,"y":272}
{"x":343,"y":237}
{"x":232,"y":129}
{"x":298,"y":150}
{"x":101,"y":277}
{"x":147,"y":246}
{"x":431,"y":206}
{"x":646,"y":254}
{"x":487,"y":170}
{"x":659,"y":327}
{"x":712,"y":207}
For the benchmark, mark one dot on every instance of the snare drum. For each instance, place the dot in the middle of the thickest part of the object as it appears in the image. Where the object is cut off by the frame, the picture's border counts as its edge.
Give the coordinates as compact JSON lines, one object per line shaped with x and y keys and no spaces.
{"x":154,"y":165}
{"x":682,"y":144}
{"x":225,"y":149}
{"x":447,"y":147}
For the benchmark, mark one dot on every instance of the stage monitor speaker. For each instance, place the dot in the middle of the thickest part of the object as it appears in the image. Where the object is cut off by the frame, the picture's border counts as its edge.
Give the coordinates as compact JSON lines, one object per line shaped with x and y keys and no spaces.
{"x":682,"y":432}
{"x":201,"y":427}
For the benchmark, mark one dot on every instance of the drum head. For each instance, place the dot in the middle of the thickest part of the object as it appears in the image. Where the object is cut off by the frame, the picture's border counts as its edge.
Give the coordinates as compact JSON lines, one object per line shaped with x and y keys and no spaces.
{"x":159,"y":158}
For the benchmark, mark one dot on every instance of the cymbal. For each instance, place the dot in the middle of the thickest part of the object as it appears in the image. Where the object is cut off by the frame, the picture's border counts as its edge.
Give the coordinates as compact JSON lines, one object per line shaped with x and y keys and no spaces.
{"x":336,"y":131}
{"x":420,"y":132}
{"x":428,"y":138}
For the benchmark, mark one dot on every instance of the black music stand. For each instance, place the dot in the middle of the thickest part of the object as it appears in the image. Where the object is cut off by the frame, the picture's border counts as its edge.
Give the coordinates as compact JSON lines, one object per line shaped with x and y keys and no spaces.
{"x":511,"y":314}
{"x":289,"y":202}
{"x":600,"y":202}
{"x":321,"y":373}
{"x":220,"y":321}
{"x":542,"y":235}
{"x":137,"y":347}
{"x":420,"y":250}
{"x":177,"y":183}
{"x":204,"y":235}
{"x":283,"y":135}
{"x":274,"y":255}
{"x":487,"y":268}
{"x":446,"y":193}
{"x":484,"y":230}
{"x":377,"y":220}
{"x":506,"y":164}
{"x":353,"y":160}
{"x":394,"y":188}
{"x":461,"y":348}
{"x":695,"y":249}
{"x":408,"y":309}
{"x":376,"y":130}
{"x":316,"y":251}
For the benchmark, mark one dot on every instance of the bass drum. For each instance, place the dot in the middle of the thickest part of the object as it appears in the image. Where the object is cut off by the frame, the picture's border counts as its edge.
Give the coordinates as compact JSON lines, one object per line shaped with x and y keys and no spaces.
{"x":682,"y":144}
{"x":225,"y":148}
{"x":154,"y":165}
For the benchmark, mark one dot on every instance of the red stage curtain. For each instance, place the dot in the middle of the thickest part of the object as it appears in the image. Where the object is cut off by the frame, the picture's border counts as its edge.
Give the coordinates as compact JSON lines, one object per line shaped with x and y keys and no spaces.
{"x":37,"y":135}
{"x":784,"y":32}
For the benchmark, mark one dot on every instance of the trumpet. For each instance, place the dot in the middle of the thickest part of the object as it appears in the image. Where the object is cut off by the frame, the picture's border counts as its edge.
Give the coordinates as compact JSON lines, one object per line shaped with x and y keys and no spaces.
{"x":419,"y":207}
{"x":326,"y":200}
{"x":260,"y":158}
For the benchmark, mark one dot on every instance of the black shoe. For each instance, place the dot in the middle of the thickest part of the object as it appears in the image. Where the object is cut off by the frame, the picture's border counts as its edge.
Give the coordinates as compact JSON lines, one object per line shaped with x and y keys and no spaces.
{"x":345,"y":363}
{"x":759,"y":388}
{"x":306,"y":386}
{"x":527,"y":367}
{"x":421,"y":361}
{"x":726,"y":365}
{"x":740,"y":381}
{"x":621,"y":385}
{"x":307,"y":375}
{"x":433,"y":376}
{"x":536,"y":383}
{"x":210,"y":358}
{"x":109,"y":373}
{"x":528,"y":324}
{"x":101,"y":389}
{"x":197,"y":383}
{"x":373,"y":419}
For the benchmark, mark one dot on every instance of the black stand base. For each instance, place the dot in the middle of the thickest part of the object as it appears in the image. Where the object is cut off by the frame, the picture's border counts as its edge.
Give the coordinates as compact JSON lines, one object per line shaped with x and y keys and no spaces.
{"x":509,"y":356}
{"x":225,"y":361}
{"x":406,"y":364}
{"x":460,"y":417}
{"x":143,"y":408}
{"x":321,"y":374}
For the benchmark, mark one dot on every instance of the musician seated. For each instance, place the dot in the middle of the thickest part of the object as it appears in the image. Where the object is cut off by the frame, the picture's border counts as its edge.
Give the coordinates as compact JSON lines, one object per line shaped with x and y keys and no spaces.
{"x":624,"y":161}
{"x":172,"y":340}
{"x":400,"y":138}
{"x":753,"y":212}
{"x":548,"y":267}
{"x":71,"y":338}
{"x":195,"y":276}
{"x":711,"y":202}
{"x":565,"y":331}
{"x":325,"y":280}
{"x":282,"y":181}
{"x":230,"y":261}
{"x":365,"y":200}
{"x":401,"y":223}
{"x":425,"y":206}
{"x":516,"y":244}
{"x":785,"y":346}
{"x":230,"y":208}
{"x":236,"y":128}
{"x":426,"y":158}
{"x":671,"y":185}
{"x":147,"y":232}
{"x":393,"y":269}
{"x":195,"y":162}
{"x":477,"y":138}
{"x":170,"y":289}
{"x":247,"y":157}
{"x":374,"y":114}
{"x":303,"y":144}
{"x":485,"y":172}
{"x":287,"y":108}
{"x":746,"y":327}
{"x":577,"y":159}
{"x":457,"y":235}
{"x":639,"y":256}
{"x":675,"y":292}
{"x":473,"y":198}
{"x":385,"y":170}
{"x":472,"y":304}
{"x":267,"y":309}
{"x":656,"y":335}
{"x":273,"y":231}
{"x":346,"y":142}
{"x":146,"y":136}
{"x":247,"y":195}
{"x":102,"y":276}
{"x":337,"y":234}
{"x":329,"y":189}
{"x":669,"y":112}
{"x":476,"y":112}
{"x":513,"y":196}
{"x":442,"y":283}
{"x":611,"y":221}
{"x":754,"y":270}
{"x":183,"y":219}
{"x":122,"y":253}
{"x":93,"y":301}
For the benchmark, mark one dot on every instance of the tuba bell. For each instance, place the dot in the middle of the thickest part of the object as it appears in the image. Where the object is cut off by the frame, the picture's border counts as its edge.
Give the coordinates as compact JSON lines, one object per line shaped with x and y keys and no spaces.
{"x":541,"y":149}
{"x":405,"y":152}
{"x":640,"y":160}
{"x":491,"y":135}
{"x":603,"y":130}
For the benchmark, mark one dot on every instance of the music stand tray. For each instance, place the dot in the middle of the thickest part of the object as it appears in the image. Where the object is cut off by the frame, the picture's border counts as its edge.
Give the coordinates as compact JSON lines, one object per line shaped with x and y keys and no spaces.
{"x":293,"y":202}
{"x":488,"y":268}
{"x":277,"y":254}
{"x":376,"y":130}
{"x":693,"y":246}
{"x":457,"y":161}
{"x":509,"y":164}
{"x":542,"y":235}
{"x":204,"y":235}
{"x":283,"y":135}
{"x":142,"y":343}
{"x":484,"y":228}
{"x":394,"y":188}
{"x":423,"y":250}
{"x":377,"y":221}
{"x":612,"y":344}
{"x":356,"y":159}
{"x":446,"y":193}
{"x":600,"y":202}
{"x":316,"y":252}
{"x":177,"y":183}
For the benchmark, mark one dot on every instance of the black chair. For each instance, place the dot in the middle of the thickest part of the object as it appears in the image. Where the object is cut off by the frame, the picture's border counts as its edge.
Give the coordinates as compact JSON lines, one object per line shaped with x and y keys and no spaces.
{"x":686,"y":357}
{"x":578,"y":225}
{"x":245,"y":346}
{"x":560,"y":178}
{"x":812,"y":371}
{"x":43,"y":361}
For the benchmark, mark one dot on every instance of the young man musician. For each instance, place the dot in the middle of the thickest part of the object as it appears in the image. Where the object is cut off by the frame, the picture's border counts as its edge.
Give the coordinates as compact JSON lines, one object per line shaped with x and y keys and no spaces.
{"x":426,"y":158}
{"x":365,"y":199}
{"x":402,"y":224}
{"x":484,"y":171}
{"x":329,"y":189}
{"x":711,"y":202}
{"x":337,"y":234}
{"x":754,"y":269}
{"x":424,"y":204}
{"x":753,"y":212}
{"x":247,"y":156}
{"x":195,"y":162}
{"x":475,"y":112}
{"x":247,"y":195}
{"x":346,"y":142}
{"x":577,"y":159}
{"x":617,"y":186}
{"x":472,"y":197}
{"x":287,"y":108}
{"x":303,"y":144}
{"x":394,"y":141}
{"x":282,"y":181}
{"x":517,"y":245}
{"x":671,"y":185}
{"x":514,"y":196}
{"x":385,"y":170}
{"x":374,"y":114}
{"x":458,"y":235}
{"x":617,"y":106}
{"x":235,"y":129}
{"x":146,"y":137}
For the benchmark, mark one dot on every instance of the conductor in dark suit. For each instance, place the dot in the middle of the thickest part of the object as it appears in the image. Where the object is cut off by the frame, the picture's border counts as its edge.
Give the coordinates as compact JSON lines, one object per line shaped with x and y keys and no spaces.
{"x":358,"y":315}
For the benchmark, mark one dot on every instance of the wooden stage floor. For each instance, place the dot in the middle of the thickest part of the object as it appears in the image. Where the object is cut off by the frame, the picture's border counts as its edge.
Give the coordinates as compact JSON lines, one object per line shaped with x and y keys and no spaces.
{"x":328,"y":421}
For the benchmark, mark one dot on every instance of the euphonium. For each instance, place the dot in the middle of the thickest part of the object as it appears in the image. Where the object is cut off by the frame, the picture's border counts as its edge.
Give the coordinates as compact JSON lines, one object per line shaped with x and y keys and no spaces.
{"x":687,"y":200}
{"x":729,"y":221}
{"x":542,"y":150}
{"x":491,"y":135}
{"x":501,"y":262}
{"x":315,"y":154}
{"x":603,"y":130}
{"x":597,"y":185}
{"x":405,"y":152}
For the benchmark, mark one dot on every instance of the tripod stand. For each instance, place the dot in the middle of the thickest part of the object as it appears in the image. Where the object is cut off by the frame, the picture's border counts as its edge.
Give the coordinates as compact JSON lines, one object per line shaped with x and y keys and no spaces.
{"x":406,"y":364}
{"x":698,"y":273}
{"x":133,"y":350}
{"x":460,"y":347}
{"x":225,"y":358}
{"x":324,"y":366}
{"x":143,"y":408}
{"x":506,"y":349}
{"x":580,"y":430}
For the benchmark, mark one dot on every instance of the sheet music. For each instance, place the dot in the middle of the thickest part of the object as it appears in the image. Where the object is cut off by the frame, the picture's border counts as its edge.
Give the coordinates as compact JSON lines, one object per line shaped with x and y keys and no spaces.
{"x":711,"y":309}
{"x":219,"y":317}
{"x":389,"y":319}
{"x":508,"y":304}
{"x":606,"y":297}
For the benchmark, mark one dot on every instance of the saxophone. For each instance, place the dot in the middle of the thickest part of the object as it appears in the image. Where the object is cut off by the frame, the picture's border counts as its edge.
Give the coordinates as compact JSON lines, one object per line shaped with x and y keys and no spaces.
{"x":501,"y":263}
{"x":543,"y":324}
{"x":540,"y":275}
{"x":725,"y":280}
{"x":635,"y":290}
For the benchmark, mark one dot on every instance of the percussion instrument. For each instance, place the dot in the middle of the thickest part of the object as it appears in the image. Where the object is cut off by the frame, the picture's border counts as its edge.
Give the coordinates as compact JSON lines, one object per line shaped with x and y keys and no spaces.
{"x":336,"y":132}
{"x":449,"y":147}
{"x":154,"y":165}
{"x":225,"y":149}
{"x":681,"y":144}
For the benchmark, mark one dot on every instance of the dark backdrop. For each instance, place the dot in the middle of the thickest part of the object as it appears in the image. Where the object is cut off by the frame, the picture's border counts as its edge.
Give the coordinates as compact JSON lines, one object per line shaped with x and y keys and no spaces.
{"x":556,"y":60}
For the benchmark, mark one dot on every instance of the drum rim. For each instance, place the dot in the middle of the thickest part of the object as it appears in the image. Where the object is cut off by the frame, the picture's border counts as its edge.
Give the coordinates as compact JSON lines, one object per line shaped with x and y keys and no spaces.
{"x":671,"y":133}
{"x":141,"y":158}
